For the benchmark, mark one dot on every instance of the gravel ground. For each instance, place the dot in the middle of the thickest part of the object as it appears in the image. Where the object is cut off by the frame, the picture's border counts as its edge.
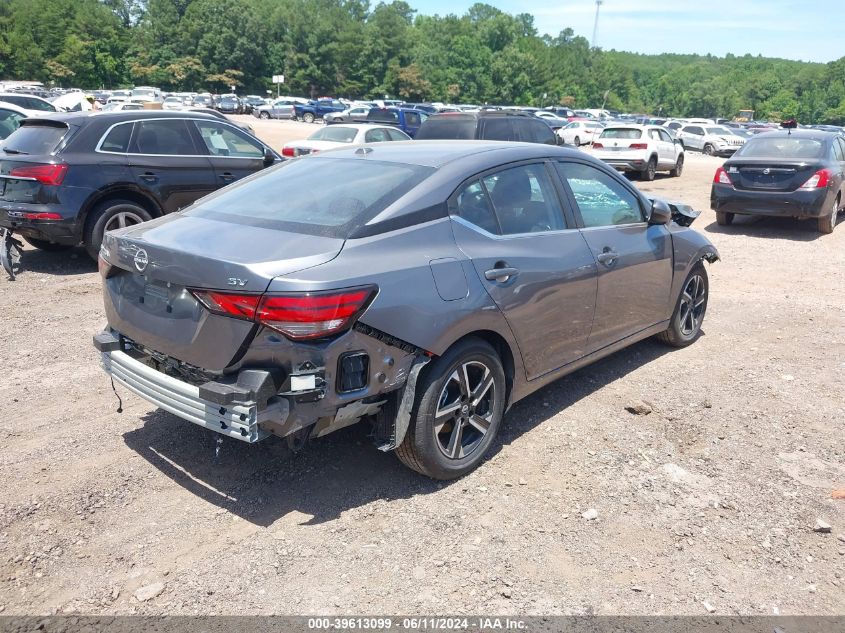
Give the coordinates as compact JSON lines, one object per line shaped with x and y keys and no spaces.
{"x":708,"y":503}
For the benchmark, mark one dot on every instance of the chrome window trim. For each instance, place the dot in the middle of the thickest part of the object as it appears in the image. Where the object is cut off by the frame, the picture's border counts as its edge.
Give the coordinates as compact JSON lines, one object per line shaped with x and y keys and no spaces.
{"x":186,"y":119}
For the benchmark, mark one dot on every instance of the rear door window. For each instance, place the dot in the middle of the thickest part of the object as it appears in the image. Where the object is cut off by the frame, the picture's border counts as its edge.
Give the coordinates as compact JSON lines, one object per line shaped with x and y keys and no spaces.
{"x":473,"y":205}
{"x":524,"y":200}
{"x":117,"y":139}
{"x":448,"y":127}
{"x":497,"y":129}
{"x":35,"y":138}
{"x":166,"y":137}
{"x":412,"y":119}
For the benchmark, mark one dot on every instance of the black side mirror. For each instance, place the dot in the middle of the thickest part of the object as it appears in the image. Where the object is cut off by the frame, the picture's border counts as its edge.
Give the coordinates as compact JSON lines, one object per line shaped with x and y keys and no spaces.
{"x":269,"y":157}
{"x":660,"y":212}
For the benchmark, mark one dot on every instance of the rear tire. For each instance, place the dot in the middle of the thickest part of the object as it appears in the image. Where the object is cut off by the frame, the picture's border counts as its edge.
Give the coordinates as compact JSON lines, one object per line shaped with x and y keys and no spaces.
{"x":679,"y":167}
{"x":107,"y":216}
{"x":685,"y":326}
{"x":724,"y":219}
{"x":308,"y":117}
{"x":460,"y":403}
{"x":47,"y":246}
{"x":826,"y":223}
{"x":651,"y":169}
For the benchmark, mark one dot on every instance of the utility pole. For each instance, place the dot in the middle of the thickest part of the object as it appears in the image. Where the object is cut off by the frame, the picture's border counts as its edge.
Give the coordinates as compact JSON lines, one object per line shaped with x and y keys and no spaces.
{"x":596,"y":23}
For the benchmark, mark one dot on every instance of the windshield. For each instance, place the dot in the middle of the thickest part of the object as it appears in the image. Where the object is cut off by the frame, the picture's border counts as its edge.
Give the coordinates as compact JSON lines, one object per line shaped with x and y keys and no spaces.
{"x":621,"y":132}
{"x":781,"y":147}
{"x":297,"y":196}
{"x":334,"y":133}
{"x":143,"y":92}
{"x":719,"y":131}
{"x":35,"y":138}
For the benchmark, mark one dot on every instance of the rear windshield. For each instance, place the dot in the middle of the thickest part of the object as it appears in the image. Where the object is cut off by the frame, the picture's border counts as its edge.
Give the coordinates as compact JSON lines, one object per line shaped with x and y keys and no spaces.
{"x":297,"y":196}
{"x":35,"y":138}
{"x":334,"y":133}
{"x":621,"y":132}
{"x":782,"y":147}
{"x":447,"y":127}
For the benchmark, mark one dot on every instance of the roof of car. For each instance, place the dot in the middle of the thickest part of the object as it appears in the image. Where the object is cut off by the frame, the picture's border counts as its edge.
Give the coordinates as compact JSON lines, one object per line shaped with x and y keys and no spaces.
{"x":16,"y":108}
{"x":80,"y":118}
{"x":801,"y":133}
{"x":363,"y":126}
{"x":436,"y":153}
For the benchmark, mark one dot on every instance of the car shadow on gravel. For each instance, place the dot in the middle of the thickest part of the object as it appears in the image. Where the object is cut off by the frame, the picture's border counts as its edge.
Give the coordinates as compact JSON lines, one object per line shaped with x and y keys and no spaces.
{"x":770,"y":227}
{"x":71,"y":262}
{"x":264,"y":482}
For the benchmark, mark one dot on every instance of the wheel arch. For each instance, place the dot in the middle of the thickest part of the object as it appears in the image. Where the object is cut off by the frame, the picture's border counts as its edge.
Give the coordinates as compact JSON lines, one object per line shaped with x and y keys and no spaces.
{"x":124,"y":192}
{"x":503,"y":350}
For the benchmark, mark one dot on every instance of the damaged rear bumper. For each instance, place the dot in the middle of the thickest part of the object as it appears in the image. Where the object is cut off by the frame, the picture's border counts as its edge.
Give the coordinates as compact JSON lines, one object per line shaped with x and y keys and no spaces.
{"x":222,"y":408}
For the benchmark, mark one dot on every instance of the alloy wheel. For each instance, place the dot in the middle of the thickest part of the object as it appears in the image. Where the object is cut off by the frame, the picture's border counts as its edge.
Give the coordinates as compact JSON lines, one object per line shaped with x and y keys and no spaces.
{"x":464,"y":409}
{"x":693,"y":301}
{"x":122,"y":219}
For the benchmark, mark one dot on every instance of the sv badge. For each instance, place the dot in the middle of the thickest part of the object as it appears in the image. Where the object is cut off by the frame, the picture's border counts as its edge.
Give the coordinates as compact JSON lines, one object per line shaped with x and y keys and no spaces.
{"x":234,"y":281}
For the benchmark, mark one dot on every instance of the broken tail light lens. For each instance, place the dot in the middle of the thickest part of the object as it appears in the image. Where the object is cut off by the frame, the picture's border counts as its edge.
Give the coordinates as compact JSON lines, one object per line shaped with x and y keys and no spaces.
{"x":45,"y":174}
{"x":299,"y":316}
{"x":819,"y":180}
{"x":721,"y":177}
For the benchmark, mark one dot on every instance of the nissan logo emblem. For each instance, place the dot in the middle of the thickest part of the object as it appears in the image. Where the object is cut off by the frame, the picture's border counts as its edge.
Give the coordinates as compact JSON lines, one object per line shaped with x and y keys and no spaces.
{"x":141,"y":260}
{"x":766,"y":171}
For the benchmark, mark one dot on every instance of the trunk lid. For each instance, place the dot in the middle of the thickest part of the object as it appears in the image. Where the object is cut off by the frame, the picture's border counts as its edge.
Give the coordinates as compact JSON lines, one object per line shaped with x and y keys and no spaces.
{"x":770,"y":174}
{"x":153,"y":266}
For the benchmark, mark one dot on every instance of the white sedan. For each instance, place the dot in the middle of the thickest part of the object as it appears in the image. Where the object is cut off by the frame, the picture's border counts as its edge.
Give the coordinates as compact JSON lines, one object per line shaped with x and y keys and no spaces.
{"x":333,"y":136}
{"x":580,"y":132}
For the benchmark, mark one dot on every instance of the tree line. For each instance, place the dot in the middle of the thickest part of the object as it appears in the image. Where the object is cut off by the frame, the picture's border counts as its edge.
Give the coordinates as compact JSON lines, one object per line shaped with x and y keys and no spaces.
{"x":352,"y":49}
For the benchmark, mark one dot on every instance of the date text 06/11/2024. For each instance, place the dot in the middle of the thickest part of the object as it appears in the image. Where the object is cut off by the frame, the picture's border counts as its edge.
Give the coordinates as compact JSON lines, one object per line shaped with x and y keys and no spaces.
{"x":417,"y":623}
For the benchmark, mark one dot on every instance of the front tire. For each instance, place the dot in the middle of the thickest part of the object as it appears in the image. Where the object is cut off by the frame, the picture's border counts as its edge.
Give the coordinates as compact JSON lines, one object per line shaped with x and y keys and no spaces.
{"x":679,"y":167}
{"x":651,"y":169}
{"x":724,"y":219}
{"x":826,"y":223}
{"x":263,"y":115}
{"x":458,"y":411}
{"x":685,"y":326}
{"x":577,"y":141}
{"x":108,"y":216}
{"x":308,"y":117}
{"x":709,"y":149}
{"x":47,"y":246}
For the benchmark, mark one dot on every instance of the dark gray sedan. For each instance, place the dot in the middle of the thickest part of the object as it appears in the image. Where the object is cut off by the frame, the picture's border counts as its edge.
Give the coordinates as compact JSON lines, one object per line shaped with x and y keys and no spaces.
{"x":424,"y":287}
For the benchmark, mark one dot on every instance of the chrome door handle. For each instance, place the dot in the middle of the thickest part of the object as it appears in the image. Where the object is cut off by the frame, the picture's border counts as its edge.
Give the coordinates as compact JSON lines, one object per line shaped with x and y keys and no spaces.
{"x":607,"y":257}
{"x":227,"y":176}
{"x":501,"y":274}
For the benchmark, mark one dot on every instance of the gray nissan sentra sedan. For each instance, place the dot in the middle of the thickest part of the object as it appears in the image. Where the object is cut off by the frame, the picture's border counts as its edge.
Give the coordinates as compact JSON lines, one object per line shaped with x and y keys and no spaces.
{"x":424,"y":287}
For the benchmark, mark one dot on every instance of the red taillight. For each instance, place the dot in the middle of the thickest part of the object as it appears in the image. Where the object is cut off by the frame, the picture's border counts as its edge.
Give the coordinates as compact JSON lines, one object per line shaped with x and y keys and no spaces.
{"x":597,"y":146}
{"x":103,"y":267}
{"x":638,"y":146}
{"x":42,"y":216}
{"x":819,"y":180}
{"x":298,"y":316}
{"x":45,"y":174}
{"x":721,"y":177}
{"x":290,"y":152}
{"x":241,"y":306}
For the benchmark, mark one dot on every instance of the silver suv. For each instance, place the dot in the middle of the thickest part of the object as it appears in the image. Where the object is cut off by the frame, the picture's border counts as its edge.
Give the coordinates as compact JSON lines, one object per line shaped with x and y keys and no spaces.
{"x":713,"y":140}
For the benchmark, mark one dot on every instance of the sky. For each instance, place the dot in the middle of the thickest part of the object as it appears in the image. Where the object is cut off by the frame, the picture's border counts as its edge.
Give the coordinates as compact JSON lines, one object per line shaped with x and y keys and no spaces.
{"x":807,"y":31}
